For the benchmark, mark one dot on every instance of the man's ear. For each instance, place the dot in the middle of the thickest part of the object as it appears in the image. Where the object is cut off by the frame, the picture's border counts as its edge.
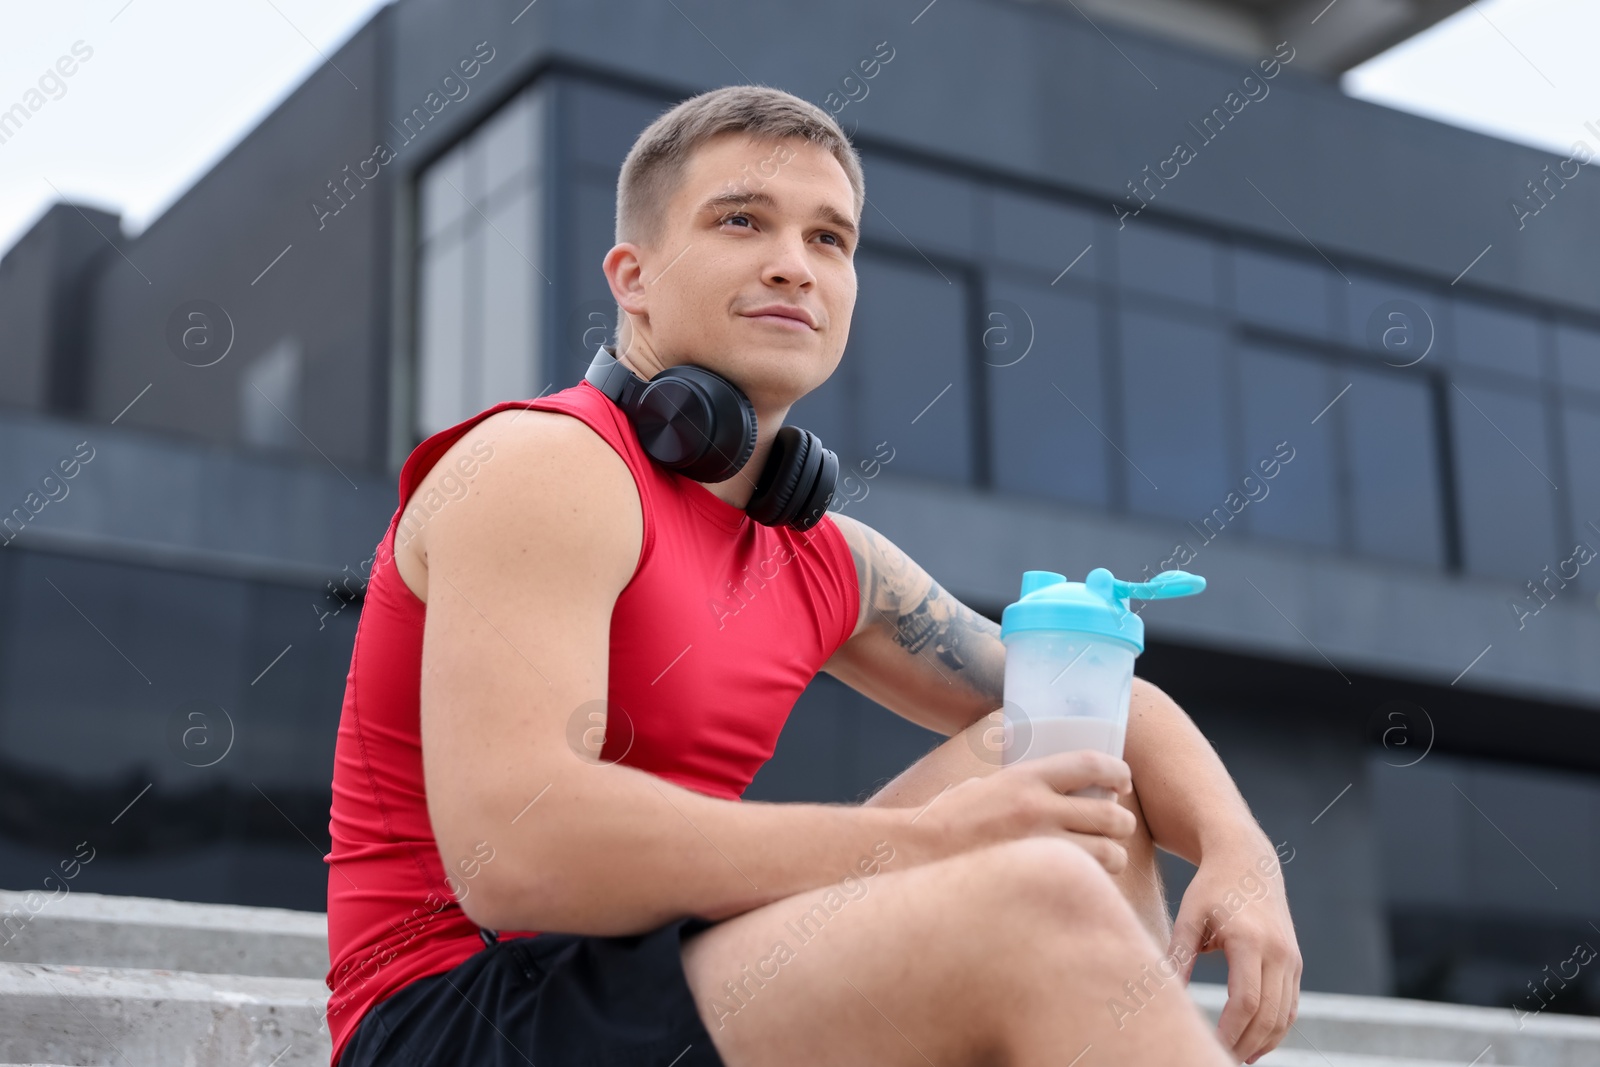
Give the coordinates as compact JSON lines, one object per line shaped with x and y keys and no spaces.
{"x":624,"y":272}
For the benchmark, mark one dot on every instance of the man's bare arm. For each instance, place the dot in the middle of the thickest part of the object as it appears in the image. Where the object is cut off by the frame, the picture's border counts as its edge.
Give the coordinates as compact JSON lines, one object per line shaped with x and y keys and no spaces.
{"x":916,"y":649}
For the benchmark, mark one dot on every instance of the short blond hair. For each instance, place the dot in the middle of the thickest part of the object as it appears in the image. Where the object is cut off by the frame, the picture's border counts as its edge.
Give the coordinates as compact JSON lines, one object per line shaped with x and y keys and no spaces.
{"x":655,"y":165}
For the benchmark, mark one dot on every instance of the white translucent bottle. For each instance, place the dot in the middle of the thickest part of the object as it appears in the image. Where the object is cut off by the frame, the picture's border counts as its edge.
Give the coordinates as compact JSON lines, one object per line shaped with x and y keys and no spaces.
{"x":1070,"y":648}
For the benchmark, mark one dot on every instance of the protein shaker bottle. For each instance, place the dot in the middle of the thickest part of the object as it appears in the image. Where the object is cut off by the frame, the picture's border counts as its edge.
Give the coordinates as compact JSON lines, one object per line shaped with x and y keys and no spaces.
{"x":1070,"y":648}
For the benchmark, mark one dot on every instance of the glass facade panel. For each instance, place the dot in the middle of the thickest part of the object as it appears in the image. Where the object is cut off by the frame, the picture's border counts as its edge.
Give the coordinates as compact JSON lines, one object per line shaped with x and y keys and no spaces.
{"x":1283,"y":293}
{"x":441,"y":338}
{"x":1045,"y":393}
{"x":908,"y":355}
{"x":1393,"y":467}
{"x":1041,"y":234}
{"x":1157,"y":260}
{"x":1284,"y":398}
{"x":1496,"y":339}
{"x":1401,"y":325}
{"x":442,"y":196}
{"x":1174,"y":404}
{"x":1581,"y":423}
{"x":508,"y":141}
{"x":511,"y":296}
{"x":1578,"y":356}
{"x":480,"y":293}
{"x":829,"y":412}
{"x":589,"y":316}
{"x":919,"y":211}
{"x":1504,"y":476}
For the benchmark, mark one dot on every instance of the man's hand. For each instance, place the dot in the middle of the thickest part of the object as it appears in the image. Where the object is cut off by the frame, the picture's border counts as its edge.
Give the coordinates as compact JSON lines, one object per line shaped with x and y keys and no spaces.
{"x":1030,"y":799}
{"x":1237,"y":903}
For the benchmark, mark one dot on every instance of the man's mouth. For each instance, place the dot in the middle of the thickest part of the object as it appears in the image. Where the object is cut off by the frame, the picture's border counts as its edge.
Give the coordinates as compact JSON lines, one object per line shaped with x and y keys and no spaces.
{"x":783,"y":315}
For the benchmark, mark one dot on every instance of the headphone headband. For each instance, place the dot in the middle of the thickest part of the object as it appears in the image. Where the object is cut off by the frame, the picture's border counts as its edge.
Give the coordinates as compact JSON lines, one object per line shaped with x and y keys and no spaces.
{"x":608,"y":374}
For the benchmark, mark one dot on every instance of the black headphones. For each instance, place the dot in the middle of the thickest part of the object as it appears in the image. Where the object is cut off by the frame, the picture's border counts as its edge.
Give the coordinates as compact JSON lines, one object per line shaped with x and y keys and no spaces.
{"x":696,"y":422}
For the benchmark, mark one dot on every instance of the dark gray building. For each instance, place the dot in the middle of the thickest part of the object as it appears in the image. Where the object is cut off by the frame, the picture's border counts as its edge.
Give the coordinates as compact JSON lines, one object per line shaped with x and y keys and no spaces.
{"x":1112,"y":272}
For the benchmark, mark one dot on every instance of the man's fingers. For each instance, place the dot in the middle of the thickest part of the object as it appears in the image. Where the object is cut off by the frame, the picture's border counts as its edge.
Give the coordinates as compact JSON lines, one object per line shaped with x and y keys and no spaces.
{"x":1110,"y":855}
{"x":1187,"y":934}
{"x":1291,"y":993}
{"x":1066,"y":772}
{"x":1262,"y":1032}
{"x":1094,"y":815}
{"x":1244,"y":994}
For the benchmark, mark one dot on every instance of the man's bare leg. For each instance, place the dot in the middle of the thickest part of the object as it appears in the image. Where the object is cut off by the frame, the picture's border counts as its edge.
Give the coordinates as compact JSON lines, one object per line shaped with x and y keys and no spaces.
{"x":1011,"y":954}
{"x":972,"y":754}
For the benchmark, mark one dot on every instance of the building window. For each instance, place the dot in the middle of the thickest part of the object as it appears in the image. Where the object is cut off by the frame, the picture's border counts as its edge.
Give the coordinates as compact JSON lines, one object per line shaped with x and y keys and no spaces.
{"x":904,"y":377}
{"x":1493,"y":338}
{"x":1041,"y":350}
{"x":1393,"y":466}
{"x":1168,"y":262}
{"x":1506,"y":481}
{"x":1578,"y":356}
{"x":480,"y":283}
{"x":1174,"y":398}
{"x":1581,"y":424}
{"x":1286,"y":399}
{"x":1281,"y":293}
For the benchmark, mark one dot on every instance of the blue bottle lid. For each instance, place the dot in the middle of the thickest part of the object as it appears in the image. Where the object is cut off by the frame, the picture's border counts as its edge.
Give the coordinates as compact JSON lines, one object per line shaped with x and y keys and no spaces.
{"x":1097,"y":605}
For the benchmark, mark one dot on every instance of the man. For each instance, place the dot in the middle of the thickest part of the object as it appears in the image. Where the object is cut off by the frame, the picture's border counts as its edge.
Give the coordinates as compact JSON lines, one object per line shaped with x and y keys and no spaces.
{"x":504,"y":886}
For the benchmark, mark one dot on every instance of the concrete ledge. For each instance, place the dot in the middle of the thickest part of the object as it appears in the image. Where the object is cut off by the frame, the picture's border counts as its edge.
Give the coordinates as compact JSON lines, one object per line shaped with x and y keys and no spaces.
{"x":100,"y":1015}
{"x":1393,"y":619}
{"x":265,"y":515}
{"x":1423,"y":1030}
{"x":93,"y":929}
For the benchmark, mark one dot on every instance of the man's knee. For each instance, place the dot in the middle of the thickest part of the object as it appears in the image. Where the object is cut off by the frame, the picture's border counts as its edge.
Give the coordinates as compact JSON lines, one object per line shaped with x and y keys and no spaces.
{"x":1048,"y":880}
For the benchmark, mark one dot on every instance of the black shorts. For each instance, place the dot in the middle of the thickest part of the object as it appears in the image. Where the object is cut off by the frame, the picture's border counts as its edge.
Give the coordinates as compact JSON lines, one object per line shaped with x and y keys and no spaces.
{"x":553,"y":1000}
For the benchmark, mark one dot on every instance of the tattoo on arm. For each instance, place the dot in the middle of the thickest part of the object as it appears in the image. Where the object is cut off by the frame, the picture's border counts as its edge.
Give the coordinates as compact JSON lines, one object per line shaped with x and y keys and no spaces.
{"x":921,"y":617}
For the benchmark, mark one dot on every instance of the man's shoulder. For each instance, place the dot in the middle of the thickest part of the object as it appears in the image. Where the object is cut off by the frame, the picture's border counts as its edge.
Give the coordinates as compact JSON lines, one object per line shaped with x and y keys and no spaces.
{"x":857,"y":535}
{"x":522,"y":469}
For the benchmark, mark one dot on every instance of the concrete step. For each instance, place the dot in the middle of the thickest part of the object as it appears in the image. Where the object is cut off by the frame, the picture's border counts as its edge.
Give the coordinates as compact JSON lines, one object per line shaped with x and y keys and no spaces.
{"x":63,"y":1014}
{"x":1419,"y":1030}
{"x":90,"y":979}
{"x":112,"y":931}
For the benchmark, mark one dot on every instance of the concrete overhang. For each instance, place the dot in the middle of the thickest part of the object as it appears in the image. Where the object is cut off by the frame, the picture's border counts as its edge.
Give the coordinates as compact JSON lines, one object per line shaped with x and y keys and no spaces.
{"x":1347,"y":32}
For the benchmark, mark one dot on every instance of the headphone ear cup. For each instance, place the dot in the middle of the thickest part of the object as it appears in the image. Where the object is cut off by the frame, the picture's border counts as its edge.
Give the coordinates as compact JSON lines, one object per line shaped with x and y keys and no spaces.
{"x":696,"y":423}
{"x":814,"y":504}
{"x":775,"y":488}
{"x":797,"y":483}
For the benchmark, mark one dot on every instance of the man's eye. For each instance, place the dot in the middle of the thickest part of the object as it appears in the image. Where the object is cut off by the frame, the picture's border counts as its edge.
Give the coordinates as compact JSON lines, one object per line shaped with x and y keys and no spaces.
{"x":735,"y":215}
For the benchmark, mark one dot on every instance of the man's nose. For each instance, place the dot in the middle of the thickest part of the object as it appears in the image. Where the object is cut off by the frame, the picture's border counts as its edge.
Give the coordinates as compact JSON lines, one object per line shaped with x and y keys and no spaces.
{"x":788,"y":265}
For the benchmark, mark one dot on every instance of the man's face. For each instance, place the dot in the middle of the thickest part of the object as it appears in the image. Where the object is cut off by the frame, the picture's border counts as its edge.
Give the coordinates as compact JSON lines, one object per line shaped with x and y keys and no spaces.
{"x":754,"y":225}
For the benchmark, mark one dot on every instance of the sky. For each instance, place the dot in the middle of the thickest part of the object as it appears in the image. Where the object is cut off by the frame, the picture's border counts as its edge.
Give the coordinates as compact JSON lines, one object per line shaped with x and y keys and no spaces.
{"x":1520,"y":70}
{"x":170,"y":85}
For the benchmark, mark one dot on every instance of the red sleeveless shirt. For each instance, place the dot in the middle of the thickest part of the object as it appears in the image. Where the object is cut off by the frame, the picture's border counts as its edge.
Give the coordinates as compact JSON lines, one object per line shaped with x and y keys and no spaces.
{"x":721,"y":627}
